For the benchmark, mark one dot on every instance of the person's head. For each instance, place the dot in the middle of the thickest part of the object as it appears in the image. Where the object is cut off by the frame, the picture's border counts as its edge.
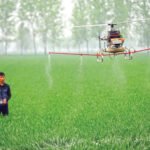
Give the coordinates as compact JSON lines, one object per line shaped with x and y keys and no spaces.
{"x":2,"y":77}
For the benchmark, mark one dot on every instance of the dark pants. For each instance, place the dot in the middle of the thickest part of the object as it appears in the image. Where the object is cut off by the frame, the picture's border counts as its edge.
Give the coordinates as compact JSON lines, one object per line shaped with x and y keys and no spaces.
{"x":4,"y":109}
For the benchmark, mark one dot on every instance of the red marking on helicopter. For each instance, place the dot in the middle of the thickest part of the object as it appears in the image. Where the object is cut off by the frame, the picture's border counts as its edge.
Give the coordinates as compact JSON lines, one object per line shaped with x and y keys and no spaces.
{"x":87,"y":54}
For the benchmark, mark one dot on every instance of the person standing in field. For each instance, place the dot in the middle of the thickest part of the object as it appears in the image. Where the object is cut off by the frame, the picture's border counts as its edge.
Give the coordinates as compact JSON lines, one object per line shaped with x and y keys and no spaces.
{"x":5,"y":95}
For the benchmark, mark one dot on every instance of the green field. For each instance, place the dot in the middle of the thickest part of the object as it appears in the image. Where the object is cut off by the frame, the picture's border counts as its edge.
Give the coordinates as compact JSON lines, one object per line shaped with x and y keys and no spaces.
{"x":66,"y":103}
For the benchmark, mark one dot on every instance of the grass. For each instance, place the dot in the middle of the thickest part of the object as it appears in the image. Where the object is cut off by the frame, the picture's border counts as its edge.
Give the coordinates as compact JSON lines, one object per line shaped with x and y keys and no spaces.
{"x":68,"y":104}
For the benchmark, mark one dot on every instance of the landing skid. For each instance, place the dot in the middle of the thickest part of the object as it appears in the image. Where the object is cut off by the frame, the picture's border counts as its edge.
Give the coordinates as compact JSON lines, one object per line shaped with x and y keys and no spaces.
{"x":100,"y":57}
{"x":129,"y":55}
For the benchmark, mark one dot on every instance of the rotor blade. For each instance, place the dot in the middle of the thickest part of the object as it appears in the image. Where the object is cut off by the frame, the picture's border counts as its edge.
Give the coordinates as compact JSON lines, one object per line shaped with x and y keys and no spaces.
{"x":103,"y":24}
{"x":89,"y":25}
{"x":130,"y":21}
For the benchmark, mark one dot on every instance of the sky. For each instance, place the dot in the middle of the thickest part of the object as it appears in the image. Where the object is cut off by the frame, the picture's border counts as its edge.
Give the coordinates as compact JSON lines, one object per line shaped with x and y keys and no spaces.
{"x":67,"y":13}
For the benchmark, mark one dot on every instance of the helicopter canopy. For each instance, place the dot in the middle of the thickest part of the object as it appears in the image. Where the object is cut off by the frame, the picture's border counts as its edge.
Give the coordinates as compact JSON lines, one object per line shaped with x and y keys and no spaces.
{"x":114,"y":34}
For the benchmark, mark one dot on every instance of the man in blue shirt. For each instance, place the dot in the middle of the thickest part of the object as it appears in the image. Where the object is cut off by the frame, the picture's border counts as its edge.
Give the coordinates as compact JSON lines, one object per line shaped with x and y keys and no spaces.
{"x":5,"y":95}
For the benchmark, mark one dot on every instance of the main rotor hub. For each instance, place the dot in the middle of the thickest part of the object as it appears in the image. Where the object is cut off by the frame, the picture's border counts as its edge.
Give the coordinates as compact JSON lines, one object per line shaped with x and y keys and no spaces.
{"x":112,"y":25}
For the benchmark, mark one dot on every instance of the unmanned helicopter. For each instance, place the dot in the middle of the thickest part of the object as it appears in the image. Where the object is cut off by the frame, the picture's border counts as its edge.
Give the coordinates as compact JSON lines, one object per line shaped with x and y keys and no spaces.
{"x":113,"y":44}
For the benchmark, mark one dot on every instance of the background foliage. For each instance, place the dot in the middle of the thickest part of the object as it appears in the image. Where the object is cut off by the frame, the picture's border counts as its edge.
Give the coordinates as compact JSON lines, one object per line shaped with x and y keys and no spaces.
{"x":36,"y":26}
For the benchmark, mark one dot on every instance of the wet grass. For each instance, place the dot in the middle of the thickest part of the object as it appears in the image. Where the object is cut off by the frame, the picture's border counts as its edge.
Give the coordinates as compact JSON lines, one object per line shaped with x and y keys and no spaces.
{"x":69,"y":104}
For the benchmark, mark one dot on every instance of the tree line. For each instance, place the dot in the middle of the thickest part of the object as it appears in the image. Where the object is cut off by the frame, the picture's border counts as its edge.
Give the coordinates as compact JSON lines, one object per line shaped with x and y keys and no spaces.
{"x":37,"y":25}
{"x":29,"y":24}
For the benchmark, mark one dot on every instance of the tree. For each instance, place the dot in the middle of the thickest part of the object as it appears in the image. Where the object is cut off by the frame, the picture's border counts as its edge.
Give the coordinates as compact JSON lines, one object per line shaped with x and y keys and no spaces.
{"x":6,"y":25}
{"x":49,"y":22}
{"x":81,"y":17}
{"x":145,"y":38}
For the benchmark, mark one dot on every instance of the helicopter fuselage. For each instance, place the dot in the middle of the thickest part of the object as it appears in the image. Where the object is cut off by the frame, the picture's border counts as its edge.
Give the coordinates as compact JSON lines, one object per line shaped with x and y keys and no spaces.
{"x":115,"y":45}
{"x":115,"y":49}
